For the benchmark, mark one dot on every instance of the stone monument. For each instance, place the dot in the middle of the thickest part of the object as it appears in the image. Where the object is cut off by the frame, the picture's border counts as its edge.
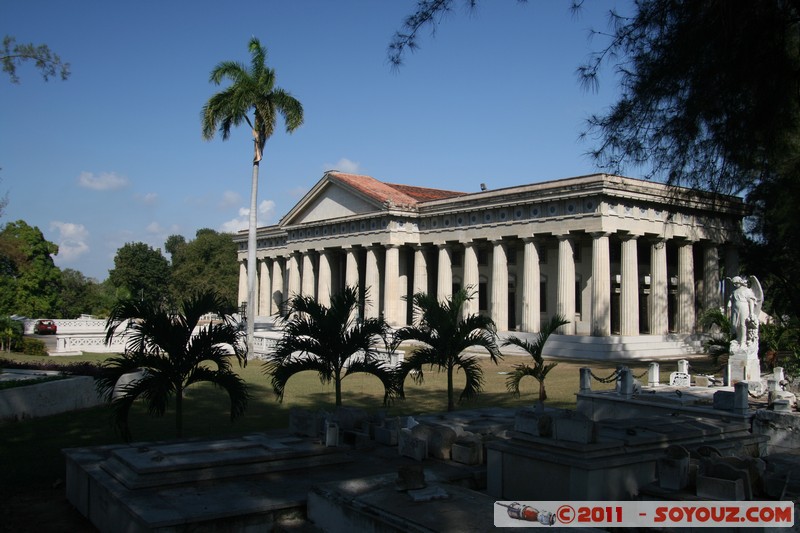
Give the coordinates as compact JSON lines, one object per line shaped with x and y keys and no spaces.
{"x":745,"y":306}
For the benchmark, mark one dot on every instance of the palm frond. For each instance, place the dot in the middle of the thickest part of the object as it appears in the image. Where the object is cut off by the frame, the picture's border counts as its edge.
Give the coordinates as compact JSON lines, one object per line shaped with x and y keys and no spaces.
{"x":283,"y":371}
{"x":378,"y":369}
{"x":227,"y":380}
{"x":515,"y":378}
{"x":474,"y":374}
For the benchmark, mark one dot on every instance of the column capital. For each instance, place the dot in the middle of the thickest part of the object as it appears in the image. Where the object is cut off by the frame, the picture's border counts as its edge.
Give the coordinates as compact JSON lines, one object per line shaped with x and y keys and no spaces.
{"x":658,"y":242}
{"x":626,"y":236}
{"x":599,"y":234}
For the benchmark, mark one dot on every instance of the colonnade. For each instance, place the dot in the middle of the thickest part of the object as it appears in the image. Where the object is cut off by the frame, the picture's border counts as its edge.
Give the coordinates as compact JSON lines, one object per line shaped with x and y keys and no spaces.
{"x":632,"y":284}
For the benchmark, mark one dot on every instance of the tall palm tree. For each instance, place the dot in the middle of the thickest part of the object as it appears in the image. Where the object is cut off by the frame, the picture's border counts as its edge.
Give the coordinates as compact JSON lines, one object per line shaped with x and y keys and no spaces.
{"x":444,"y":336}
{"x":252,"y":91}
{"x":330,"y":342}
{"x":540,"y":369}
{"x":173,"y":353}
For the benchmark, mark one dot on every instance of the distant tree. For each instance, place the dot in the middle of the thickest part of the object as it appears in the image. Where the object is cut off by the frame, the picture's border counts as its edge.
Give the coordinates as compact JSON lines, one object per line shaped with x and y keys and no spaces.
{"x":207,"y":262}
{"x":101,"y":298}
{"x":141,"y":270}
{"x":329,"y":341}
{"x":442,"y":337}
{"x":74,"y":294}
{"x":49,"y":64}
{"x":84,"y":295}
{"x":253,"y":91}
{"x":540,"y":369}
{"x":30,"y":283}
{"x":173,"y":245}
{"x":173,"y":354}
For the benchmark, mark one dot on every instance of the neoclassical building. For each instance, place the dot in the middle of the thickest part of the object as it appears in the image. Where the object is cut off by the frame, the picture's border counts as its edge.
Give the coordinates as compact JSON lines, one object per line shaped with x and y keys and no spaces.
{"x":622,"y":259}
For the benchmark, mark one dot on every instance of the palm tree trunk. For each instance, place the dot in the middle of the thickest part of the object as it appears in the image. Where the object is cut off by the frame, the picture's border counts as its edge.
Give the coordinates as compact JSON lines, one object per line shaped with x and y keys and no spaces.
{"x":542,"y":393}
{"x":179,"y":412}
{"x":450,"y":404}
{"x":252,"y":300}
{"x":338,"y":387}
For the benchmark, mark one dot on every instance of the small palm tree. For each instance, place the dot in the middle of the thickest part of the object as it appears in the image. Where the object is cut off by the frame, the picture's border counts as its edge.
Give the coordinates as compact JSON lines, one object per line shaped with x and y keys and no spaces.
{"x":718,"y":324}
{"x":253,"y":91}
{"x":330,"y":342}
{"x":540,"y":369}
{"x":174,"y":353}
{"x":444,"y":336}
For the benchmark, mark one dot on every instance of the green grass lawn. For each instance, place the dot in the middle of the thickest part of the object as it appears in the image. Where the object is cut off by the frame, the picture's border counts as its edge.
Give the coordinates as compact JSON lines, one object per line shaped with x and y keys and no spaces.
{"x":31,"y":449}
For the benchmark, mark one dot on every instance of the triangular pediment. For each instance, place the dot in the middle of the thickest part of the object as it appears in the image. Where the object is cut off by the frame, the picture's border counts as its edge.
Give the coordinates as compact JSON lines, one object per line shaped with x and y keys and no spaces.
{"x":329,"y":199}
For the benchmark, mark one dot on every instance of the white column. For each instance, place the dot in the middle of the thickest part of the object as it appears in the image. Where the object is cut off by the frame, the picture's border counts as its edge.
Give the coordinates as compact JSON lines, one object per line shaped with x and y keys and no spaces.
{"x":420,"y":275}
{"x":499,"y":298}
{"x":711,"y":296}
{"x":264,"y":288}
{"x":351,"y":267}
{"x":403,"y":279}
{"x":309,"y":280}
{"x":324,"y":278}
{"x":242,"y":282}
{"x":471,"y":279}
{"x":293,"y":288}
{"x":276,"y":296}
{"x":601,"y":286}
{"x":444,"y":281}
{"x":629,"y":288}
{"x":531,"y":299}
{"x":659,"y":324}
{"x":686,"y":313}
{"x":565,"y":295}
{"x":351,"y":273}
{"x":372,"y":283}
{"x":391,"y":273}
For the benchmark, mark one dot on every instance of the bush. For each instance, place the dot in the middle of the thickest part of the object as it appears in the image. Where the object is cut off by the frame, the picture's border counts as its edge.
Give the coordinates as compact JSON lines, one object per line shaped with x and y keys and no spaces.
{"x":81,"y":368}
{"x":34,"y":347}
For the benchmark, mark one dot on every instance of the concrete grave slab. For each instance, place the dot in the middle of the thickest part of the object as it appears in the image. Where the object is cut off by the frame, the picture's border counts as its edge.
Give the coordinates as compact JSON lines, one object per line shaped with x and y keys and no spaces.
{"x":372,"y":505}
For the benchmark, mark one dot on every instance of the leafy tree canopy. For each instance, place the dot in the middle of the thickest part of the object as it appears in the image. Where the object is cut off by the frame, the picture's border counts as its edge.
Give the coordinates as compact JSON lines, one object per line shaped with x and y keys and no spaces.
{"x":48,"y":62}
{"x":30,"y":283}
{"x":206,"y":263}
{"x":141,"y":270}
{"x":82,"y":295}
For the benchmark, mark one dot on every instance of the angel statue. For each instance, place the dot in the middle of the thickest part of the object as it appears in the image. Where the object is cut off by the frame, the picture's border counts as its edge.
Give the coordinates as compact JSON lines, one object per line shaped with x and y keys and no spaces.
{"x":746,"y":302}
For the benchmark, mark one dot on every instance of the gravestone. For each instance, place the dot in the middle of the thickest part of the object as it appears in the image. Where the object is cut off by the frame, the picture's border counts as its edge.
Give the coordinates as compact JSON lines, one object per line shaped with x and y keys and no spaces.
{"x":673,"y":470}
{"x":468,"y":450}
{"x":680,"y":379}
{"x":441,"y":441}
{"x":410,"y":446}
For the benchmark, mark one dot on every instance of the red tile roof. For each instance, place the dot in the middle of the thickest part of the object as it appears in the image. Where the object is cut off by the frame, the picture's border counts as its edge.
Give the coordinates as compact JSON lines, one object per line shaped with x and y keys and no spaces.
{"x":396,"y":194}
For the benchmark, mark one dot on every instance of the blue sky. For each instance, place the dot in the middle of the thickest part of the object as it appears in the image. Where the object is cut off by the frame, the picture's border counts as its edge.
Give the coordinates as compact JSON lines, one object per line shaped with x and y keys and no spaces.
{"x":115,"y":153}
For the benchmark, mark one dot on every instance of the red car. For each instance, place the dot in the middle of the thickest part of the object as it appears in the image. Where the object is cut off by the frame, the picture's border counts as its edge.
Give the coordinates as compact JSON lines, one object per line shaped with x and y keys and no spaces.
{"x":44,"y":327}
